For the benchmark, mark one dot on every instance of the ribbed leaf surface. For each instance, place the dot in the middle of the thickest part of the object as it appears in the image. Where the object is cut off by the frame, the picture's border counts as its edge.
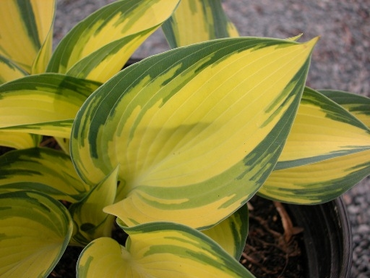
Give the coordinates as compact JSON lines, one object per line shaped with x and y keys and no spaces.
{"x":43,"y":104}
{"x":327,"y":152}
{"x":99,"y":46}
{"x":41,"y":169}
{"x":195,"y":131}
{"x":159,"y":250}
{"x":34,"y":232}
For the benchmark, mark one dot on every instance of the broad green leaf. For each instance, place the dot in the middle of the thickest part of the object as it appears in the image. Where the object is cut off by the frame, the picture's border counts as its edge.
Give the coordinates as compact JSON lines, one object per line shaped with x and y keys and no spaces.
{"x":26,"y":32}
{"x":327,"y":152}
{"x":358,"y":105}
{"x":197,"y":21}
{"x":231,"y":233}
{"x":159,"y":250}
{"x":18,"y":140}
{"x":88,"y":216}
{"x":34,"y":232}
{"x":43,"y":104}
{"x":41,"y":169}
{"x":9,"y":71}
{"x":99,"y":46}
{"x":195,"y":130}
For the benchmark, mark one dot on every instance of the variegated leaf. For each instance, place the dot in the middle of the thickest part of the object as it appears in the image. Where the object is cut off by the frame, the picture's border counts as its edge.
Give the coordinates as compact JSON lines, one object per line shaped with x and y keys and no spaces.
{"x":26,"y":29}
{"x":19,"y":140}
{"x":88,"y":216}
{"x":327,"y":152}
{"x":231,"y":233}
{"x":159,"y":250}
{"x":358,"y":105}
{"x":34,"y":232}
{"x":99,"y":46}
{"x":44,"y":55}
{"x":195,"y":131}
{"x":295,"y":38}
{"x":63,"y":143}
{"x":9,"y":71}
{"x":41,"y":169}
{"x":43,"y":104}
{"x":196,"y":21}
{"x":61,"y":128}
{"x":318,"y":182}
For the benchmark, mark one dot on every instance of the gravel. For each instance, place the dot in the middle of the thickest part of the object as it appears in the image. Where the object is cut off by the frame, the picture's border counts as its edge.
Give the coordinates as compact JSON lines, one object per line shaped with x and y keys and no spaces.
{"x":341,"y":60}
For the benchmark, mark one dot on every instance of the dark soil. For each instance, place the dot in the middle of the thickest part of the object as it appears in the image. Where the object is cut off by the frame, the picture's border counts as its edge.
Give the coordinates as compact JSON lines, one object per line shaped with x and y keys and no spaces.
{"x":273,"y":248}
{"x":66,"y":268}
{"x":269,"y":252}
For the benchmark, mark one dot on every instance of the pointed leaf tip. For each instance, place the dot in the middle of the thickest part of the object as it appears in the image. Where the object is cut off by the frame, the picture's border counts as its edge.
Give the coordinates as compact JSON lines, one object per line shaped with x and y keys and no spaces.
{"x":312,"y":42}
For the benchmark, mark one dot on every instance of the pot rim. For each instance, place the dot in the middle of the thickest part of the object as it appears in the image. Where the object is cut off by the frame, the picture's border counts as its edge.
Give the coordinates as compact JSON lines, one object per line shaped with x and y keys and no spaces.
{"x":328,"y":250}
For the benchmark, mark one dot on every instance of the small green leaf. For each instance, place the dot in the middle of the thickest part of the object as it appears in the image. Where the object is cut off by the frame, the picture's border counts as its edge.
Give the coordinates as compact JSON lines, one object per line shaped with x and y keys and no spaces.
{"x":232,"y":232}
{"x":34,"y":232}
{"x":90,"y":220}
{"x":159,"y":250}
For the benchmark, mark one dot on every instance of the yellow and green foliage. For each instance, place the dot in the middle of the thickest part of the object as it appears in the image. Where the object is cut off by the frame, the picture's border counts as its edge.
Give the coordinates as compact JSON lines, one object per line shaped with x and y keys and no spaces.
{"x":172,"y":147}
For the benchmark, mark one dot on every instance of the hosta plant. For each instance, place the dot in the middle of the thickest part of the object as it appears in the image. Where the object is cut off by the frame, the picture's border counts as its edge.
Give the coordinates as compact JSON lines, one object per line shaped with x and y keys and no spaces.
{"x":171,"y":148}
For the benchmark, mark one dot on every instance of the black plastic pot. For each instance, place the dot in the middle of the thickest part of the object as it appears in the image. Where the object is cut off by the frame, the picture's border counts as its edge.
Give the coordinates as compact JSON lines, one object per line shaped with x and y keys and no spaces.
{"x":327,"y":238}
